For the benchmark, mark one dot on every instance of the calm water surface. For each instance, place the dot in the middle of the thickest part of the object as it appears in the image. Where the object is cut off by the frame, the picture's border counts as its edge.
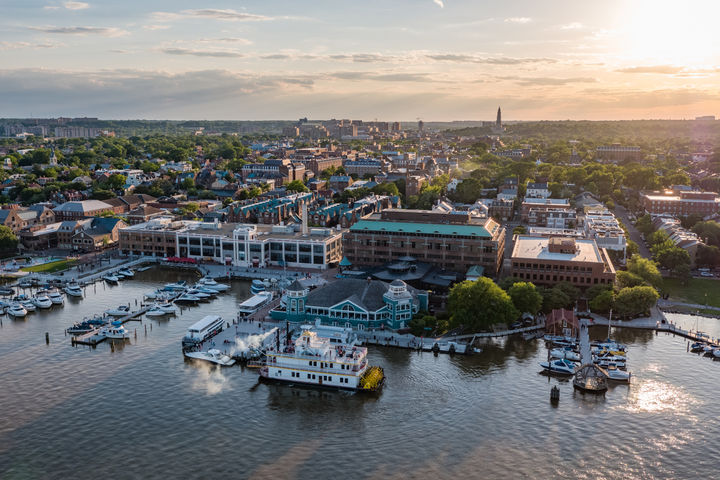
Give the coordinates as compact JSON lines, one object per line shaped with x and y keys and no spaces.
{"x":141,"y":411}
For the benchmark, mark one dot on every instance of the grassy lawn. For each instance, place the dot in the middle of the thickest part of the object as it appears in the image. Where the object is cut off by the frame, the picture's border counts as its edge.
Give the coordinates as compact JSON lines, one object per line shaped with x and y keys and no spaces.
{"x":50,"y":267}
{"x":695,"y":291}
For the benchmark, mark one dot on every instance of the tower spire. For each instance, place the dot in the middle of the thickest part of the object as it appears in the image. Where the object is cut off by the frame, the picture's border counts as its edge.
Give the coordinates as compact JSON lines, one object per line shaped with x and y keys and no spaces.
{"x":498,"y":122}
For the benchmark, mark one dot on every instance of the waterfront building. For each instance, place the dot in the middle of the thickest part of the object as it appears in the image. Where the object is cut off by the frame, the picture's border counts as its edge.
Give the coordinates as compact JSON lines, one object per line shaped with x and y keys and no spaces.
{"x":454,"y":241}
{"x":547,"y":261}
{"x":351,"y":302}
{"x":242,"y":245}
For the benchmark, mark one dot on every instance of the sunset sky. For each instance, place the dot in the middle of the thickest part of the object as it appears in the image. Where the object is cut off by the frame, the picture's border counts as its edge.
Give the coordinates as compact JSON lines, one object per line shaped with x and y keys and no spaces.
{"x":391,"y":59}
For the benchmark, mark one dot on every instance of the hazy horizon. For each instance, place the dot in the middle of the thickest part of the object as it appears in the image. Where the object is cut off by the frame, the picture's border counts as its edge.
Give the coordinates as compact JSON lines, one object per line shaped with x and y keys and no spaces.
{"x":437,"y":60}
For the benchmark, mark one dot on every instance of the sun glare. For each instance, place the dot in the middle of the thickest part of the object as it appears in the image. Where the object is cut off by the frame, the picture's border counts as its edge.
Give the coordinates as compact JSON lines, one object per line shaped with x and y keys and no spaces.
{"x":679,"y":32}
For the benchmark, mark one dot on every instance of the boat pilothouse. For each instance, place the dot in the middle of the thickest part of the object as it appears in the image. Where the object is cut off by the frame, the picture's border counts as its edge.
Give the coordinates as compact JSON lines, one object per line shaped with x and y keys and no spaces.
{"x":322,"y":361}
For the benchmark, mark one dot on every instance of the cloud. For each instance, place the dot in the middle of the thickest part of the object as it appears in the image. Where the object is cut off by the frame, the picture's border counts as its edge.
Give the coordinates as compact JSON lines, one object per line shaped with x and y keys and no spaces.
{"x":547,"y":81}
{"x":276,"y":56}
{"x":439,"y":3}
{"x":518,"y":20}
{"x":51,"y":7}
{"x":76,"y":5}
{"x":156,"y":27}
{"x":363,"y":57}
{"x":234,"y":40}
{"x":660,"y":69}
{"x":103,"y":31}
{"x":572,"y":26}
{"x":4,"y":45}
{"x":382,"y":77}
{"x":464,"y":58}
{"x":214,"y":13}
{"x":202,"y":53}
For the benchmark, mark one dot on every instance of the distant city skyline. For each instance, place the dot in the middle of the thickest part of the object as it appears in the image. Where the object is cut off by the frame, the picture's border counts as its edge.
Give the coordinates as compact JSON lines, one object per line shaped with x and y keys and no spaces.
{"x":439,"y":60}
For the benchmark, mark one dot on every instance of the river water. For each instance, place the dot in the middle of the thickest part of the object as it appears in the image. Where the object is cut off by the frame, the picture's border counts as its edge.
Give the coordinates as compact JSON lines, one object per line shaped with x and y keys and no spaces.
{"x":141,"y":411}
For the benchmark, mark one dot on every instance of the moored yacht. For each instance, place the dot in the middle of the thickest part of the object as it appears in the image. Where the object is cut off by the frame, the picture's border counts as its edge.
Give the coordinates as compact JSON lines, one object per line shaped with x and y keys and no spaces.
{"x":17,"y":310}
{"x":126,"y":272}
{"x":56,"y":297}
{"x":41,"y":300}
{"x":560,"y":367}
{"x":258,"y":286}
{"x":116,"y":330}
{"x":73,"y":290}
{"x":212,"y":284}
{"x":120,"y":311}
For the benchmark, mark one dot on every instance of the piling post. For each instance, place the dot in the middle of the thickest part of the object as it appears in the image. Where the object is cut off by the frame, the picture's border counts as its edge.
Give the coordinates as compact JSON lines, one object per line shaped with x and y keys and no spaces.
{"x":554,"y":394}
{"x":112,"y":346}
{"x":47,"y":338}
{"x":146,"y":329}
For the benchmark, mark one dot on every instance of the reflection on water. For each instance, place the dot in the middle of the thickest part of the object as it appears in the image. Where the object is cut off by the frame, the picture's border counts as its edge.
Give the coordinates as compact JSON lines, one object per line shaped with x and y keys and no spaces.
{"x":485,"y":415}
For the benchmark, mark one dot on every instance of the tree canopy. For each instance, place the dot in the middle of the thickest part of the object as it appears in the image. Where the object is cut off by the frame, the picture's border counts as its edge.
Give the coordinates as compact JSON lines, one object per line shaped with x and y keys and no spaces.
{"x":480,"y":304}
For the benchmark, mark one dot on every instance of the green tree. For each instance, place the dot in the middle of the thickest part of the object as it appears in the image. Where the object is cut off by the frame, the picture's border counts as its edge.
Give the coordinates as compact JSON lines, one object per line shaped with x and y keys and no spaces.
{"x":8,"y":240}
{"x":628,"y":279}
{"x":646,"y":269}
{"x":633,"y":301}
{"x":116,"y":181}
{"x":480,"y":304}
{"x":603,"y":302}
{"x":525,"y":297}
{"x":644,"y":225}
{"x":554,"y":298}
{"x":519,"y":230}
{"x":296,"y":186}
{"x":389,"y":189}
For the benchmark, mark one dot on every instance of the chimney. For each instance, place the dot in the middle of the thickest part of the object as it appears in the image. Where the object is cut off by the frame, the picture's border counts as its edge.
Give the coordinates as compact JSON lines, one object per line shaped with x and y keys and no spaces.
{"x":304,"y":219}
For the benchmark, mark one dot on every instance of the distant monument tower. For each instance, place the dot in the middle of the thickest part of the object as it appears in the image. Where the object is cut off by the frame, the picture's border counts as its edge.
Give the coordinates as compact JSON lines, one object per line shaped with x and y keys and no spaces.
{"x":498,"y":128}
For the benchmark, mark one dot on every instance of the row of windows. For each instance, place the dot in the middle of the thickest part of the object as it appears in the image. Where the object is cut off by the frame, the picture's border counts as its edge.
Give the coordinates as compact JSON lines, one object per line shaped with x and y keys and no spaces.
{"x":555,"y":267}
{"x":561,"y":278}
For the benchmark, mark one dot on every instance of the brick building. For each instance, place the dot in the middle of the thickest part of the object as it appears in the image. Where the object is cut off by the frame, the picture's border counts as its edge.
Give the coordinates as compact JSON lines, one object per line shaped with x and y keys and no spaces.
{"x":547,"y":261}
{"x":681,"y":203}
{"x":451,"y":241}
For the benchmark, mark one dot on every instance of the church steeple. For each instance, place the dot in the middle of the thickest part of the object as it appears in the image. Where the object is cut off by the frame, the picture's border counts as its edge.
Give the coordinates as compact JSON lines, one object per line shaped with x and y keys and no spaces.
{"x":498,"y":122}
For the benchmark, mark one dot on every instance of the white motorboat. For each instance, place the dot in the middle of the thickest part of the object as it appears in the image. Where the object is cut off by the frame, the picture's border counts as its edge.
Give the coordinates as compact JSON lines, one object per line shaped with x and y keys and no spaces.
{"x":116,"y":330}
{"x":257,"y":286}
{"x":565,"y":353}
{"x":614,"y":373}
{"x":29,"y":305}
{"x":73,"y":290}
{"x":605,"y":363}
{"x":187,"y":298}
{"x":121,"y":311}
{"x":56,"y":297}
{"x":561,"y":367}
{"x":207,"y":290}
{"x":126,"y":272}
{"x":166,"y":307}
{"x":155,"y":311}
{"x":17,"y":310}
{"x":182,"y":285}
{"x":214,"y":356}
{"x":157,"y":294}
{"x":211,"y":283}
{"x":111,"y":279}
{"x":42,"y":301}
{"x":716,"y":352}
{"x":200,"y":295}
